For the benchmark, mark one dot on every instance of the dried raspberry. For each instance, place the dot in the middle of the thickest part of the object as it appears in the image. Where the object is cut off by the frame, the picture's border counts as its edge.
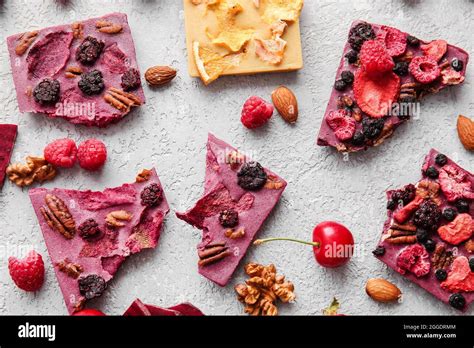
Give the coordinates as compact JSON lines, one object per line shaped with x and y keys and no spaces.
{"x":91,"y":83}
{"x":89,"y":229}
{"x":455,"y":183}
{"x":394,"y":40}
{"x":92,"y":286}
{"x":89,"y":50}
{"x":374,"y":57}
{"x":61,"y":153}
{"x":436,"y":49}
{"x":131,"y":80}
{"x":27,"y":273}
{"x":414,"y":259}
{"x":152,"y":195}
{"x":458,"y":230}
{"x":47,"y":92}
{"x":460,"y":278}
{"x":92,"y":154}
{"x":342,"y":124}
{"x":229,"y":218}
{"x":374,"y":96}
{"x":251,"y":176}
{"x":256,"y":112}
{"x":424,"y":69}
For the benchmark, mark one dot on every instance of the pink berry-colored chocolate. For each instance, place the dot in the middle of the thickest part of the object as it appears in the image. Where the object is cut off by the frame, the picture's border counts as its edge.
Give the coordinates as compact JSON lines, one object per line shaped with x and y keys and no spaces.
{"x":53,"y":50}
{"x":7,"y":141}
{"x":138,"y":308}
{"x":104,"y":256}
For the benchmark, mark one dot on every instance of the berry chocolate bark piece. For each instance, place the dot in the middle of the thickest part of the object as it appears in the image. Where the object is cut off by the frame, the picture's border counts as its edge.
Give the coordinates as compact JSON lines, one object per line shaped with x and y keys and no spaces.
{"x":89,"y":234}
{"x":80,"y":71}
{"x":138,"y":308}
{"x":383,"y":73}
{"x":239,"y":194}
{"x":7,"y":141}
{"x":429,"y":234}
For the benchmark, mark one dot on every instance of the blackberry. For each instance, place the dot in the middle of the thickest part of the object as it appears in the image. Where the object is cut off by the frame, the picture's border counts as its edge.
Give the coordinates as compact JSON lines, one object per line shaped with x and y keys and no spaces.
{"x":91,"y":286}
{"x":457,"y":301}
{"x":228,"y":218}
{"x":152,"y":195}
{"x":427,"y":216}
{"x":422,"y":235}
{"x":441,"y":159}
{"x":449,"y":214}
{"x":413,"y":41}
{"x":432,"y":172}
{"x":340,"y":85}
{"x":359,"y":34}
{"x":89,"y":50}
{"x":89,"y":229}
{"x":401,"y":68}
{"x":441,"y":274}
{"x":352,"y":56}
{"x":462,"y":205}
{"x":91,"y":83}
{"x":430,"y":245}
{"x":251,"y":176}
{"x":457,"y":64}
{"x":358,"y":139}
{"x":47,"y":92}
{"x":379,"y":251}
{"x":348,"y":77}
{"x":406,"y":194}
{"x":372,"y":128}
{"x":391,"y":204}
{"x":131,"y":80}
{"x":471,"y":264}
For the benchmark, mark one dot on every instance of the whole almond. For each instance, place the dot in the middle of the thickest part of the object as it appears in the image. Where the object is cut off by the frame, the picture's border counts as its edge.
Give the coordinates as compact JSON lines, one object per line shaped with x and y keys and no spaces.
{"x":160,"y":75}
{"x":286,"y":104}
{"x":466,"y":132}
{"x":382,"y":290}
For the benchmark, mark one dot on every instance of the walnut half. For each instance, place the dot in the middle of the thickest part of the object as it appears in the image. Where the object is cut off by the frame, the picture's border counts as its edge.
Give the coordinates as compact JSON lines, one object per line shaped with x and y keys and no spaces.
{"x":117,"y":218}
{"x":35,"y":169}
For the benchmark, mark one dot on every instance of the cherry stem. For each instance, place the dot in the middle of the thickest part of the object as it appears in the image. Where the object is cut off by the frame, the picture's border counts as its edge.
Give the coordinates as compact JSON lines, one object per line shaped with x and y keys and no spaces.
{"x":261,"y":241}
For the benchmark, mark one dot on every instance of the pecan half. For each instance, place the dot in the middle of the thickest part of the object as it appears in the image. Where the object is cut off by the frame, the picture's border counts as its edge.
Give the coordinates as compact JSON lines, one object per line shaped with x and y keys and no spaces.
{"x":143,"y":176}
{"x":400,"y":234}
{"x":25,"y":41}
{"x":121,"y":100}
{"x":58,"y":217}
{"x":235,"y":234}
{"x":442,"y":258}
{"x":212,"y":253}
{"x":73,"y":71}
{"x":73,"y":270}
{"x":35,"y":169}
{"x":117,"y":218}
{"x":108,"y":27}
{"x":77,"y":30}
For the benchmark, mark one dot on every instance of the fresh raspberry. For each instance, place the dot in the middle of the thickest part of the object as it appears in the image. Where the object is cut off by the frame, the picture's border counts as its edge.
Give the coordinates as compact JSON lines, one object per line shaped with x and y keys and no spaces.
{"x":61,"y":153}
{"x":342,"y":124}
{"x":455,"y":183}
{"x":460,"y":278}
{"x":458,"y":230}
{"x":27,"y":273}
{"x":414,"y":259}
{"x":435,"y":49}
{"x":256,"y":112}
{"x":92,"y":154}
{"x":394,"y":40}
{"x":374,"y":96}
{"x":424,"y":69}
{"x":374,"y":58}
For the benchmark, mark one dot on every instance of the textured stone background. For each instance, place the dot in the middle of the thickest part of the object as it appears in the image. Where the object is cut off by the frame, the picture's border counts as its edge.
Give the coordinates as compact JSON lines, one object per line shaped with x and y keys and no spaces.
{"x":170,"y":133}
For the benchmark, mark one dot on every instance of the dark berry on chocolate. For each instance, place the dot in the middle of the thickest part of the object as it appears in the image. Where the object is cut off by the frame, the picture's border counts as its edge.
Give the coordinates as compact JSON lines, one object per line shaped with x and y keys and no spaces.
{"x":131,"y":80}
{"x":89,"y":229}
{"x":432,"y":172}
{"x":457,"y":301}
{"x":47,"y":92}
{"x":372,"y":128}
{"x":89,"y":50}
{"x":358,"y":139}
{"x":352,"y":56}
{"x":348,"y":77}
{"x":379,"y":251}
{"x":359,"y":34}
{"x":471,"y":264}
{"x":427,"y":216}
{"x":457,"y":64}
{"x":229,"y":218}
{"x":441,"y":159}
{"x":422,"y":235}
{"x":430,"y":245}
{"x":391,"y":204}
{"x":91,"y":83}
{"x":413,"y":41}
{"x":92,"y":286}
{"x":152,"y":195}
{"x":340,"y":85}
{"x":441,"y":274}
{"x":462,"y":205}
{"x":449,"y":214}
{"x":406,"y":194}
{"x":251,"y":176}
{"x":401,"y":68}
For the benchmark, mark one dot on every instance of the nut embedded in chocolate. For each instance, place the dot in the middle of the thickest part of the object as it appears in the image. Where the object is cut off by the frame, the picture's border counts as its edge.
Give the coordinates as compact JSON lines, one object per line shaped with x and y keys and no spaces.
{"x":401,"y":234}
{"x":73,"y":270}
{"x":212,"y":253}
{"x":58,"y":217}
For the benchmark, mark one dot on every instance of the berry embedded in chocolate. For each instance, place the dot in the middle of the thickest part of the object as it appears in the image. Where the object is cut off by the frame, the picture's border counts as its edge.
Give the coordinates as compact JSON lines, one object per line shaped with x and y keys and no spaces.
{"x":348,"y":77}
{"x":422,"y":235}
{"x":432,"y":172}
{"x":152,"y":195}
{"x":427,"y":216}
{"x":340,"y":85}
{"x":47,"y":92}
{"x":406,"y":194}
{"x":441,"y":159}
{"x":91,"y":83}
{"x":391,"y":204}
{"x":89,"y":50}
{"x":449,"y":214}
{"x":424,"y":69}
{"x":379,"y":251}
{"x":457,"y":301}
{"x":251,"y":176}
{"x":358,"y":139}
{"x":441,"y":274}
{"x":92,"y":286}
{"x":401,"y":68}
{"x":352,"y":56}
{"x":462,"y":205}
{"x":89,"y":229}
{"x":131,"y":80}
{"x":229,"y":218}
{"x":372,"y":128}
{"x":413,"y":41}
{"x":457,"y":64}
{"x":430,"y":245}
{"x":471,"y":264}
{"x":359,"y":34}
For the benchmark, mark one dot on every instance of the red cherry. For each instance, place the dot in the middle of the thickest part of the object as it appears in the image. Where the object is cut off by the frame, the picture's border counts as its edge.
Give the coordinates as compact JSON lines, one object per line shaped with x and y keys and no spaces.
{"x":89,"y":313}
{"x":333,"y":244}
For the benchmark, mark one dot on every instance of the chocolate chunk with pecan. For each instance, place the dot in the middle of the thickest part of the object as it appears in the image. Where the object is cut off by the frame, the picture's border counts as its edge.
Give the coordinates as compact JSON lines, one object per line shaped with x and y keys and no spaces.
{"x":58,"y":217}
